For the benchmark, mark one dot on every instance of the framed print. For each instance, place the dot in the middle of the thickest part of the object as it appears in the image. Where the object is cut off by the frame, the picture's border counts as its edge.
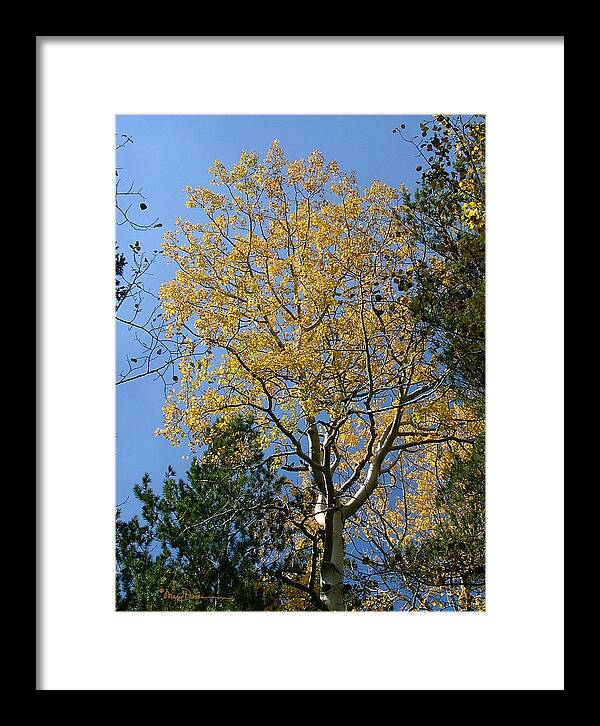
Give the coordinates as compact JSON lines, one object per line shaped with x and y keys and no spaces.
{"x":300,"y":327}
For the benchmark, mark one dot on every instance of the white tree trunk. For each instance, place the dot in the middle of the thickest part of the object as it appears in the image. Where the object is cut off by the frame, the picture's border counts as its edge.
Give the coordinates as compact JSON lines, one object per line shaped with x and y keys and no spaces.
{"x":332,"y":571}
{"x":320,"y":508}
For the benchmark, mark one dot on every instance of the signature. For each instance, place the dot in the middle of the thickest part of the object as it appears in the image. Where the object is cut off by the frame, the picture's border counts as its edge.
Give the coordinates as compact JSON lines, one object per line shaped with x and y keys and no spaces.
{"x":188,"y":595}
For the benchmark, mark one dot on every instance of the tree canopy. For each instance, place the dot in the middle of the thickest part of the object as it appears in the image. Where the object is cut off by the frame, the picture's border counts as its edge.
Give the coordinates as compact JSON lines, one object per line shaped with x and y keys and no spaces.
{"x":334,"y":317}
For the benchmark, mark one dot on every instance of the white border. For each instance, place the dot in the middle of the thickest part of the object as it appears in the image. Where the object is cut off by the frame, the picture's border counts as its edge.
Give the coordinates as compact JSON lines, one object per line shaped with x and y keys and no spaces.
{"x":517,"y":644}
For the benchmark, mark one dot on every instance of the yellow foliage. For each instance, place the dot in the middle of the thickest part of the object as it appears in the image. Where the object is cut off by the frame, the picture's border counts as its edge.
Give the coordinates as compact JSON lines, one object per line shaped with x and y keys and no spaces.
{"x":291,"y":277}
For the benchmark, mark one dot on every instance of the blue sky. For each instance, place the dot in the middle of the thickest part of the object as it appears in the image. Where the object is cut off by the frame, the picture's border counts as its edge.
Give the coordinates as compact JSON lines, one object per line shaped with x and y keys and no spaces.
{"x":170,"y":152}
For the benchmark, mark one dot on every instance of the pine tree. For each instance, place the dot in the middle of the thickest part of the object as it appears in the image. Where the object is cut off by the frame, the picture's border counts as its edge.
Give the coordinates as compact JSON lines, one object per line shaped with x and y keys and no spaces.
{"x":201,"y":542}
{"x":447,"y":216}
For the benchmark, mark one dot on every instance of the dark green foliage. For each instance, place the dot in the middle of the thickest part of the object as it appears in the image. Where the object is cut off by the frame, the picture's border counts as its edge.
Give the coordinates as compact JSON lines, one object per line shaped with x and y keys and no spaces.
{"x":455,"y":554}
{"x":448,"y":296}
{"x":203,"y":536}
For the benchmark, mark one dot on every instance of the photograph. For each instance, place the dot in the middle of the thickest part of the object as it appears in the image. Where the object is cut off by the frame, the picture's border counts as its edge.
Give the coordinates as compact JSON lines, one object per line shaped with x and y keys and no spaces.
{"x":300,"y":326}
